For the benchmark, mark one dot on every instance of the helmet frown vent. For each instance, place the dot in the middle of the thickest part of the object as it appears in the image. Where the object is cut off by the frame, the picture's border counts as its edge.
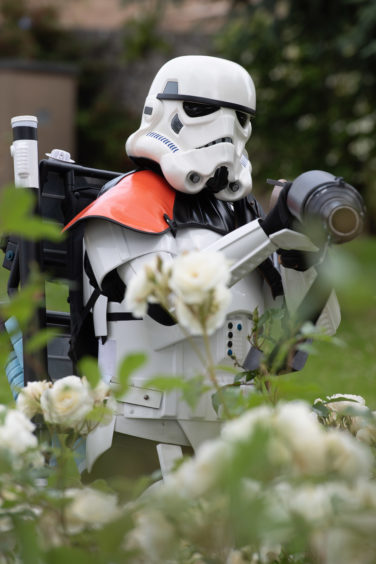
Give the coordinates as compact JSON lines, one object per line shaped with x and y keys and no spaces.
{"x":176,"y":124}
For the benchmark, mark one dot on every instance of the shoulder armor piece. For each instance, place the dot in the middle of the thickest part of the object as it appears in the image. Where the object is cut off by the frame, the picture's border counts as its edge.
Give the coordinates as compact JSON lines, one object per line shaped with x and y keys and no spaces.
{"x":140,"y":201}
{"x":144,"y":201}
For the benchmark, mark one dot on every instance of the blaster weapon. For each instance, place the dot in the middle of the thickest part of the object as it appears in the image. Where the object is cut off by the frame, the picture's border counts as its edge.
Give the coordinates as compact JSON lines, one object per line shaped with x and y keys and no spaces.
{"x":318,"y":196}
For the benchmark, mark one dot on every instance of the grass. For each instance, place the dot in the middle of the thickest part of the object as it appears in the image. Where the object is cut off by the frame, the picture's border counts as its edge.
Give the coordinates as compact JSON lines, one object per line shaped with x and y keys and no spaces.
{"x":350,"y":368}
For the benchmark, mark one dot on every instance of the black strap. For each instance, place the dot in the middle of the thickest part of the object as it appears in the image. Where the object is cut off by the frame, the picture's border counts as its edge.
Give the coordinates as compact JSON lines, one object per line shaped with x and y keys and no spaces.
{"x":122,"y":316}
{"x":80,"y":342}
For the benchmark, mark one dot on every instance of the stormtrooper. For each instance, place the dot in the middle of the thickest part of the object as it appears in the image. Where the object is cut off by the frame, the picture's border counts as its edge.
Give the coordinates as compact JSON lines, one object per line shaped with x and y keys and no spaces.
{"x":191,"y":190}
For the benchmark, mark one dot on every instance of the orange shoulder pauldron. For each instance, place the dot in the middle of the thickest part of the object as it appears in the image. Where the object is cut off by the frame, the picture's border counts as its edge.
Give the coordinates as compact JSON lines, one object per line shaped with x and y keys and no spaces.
{"x":141,"y":201}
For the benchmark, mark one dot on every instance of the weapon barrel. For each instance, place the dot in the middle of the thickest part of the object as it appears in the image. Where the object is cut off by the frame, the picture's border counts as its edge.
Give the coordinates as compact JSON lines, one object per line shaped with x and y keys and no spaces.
{"x":338,"y":206}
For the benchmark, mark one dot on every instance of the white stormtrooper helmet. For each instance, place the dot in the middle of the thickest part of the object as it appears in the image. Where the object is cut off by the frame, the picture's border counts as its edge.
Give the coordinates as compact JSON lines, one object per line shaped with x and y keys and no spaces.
{"x":195,"y":124}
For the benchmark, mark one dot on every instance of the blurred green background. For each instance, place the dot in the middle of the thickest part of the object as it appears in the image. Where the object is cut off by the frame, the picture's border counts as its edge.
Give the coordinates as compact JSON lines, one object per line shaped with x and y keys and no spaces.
{"x":314,"y":68}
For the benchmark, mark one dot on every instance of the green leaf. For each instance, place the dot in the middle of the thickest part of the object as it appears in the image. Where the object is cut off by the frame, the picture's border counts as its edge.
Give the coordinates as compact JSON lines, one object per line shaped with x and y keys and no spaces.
{"x":320,"y":409}
{"x":307,"y":347}
{"x":193,"y":390}
{"x":17,"y":216}
{"x":226,"y":368}
{"x":166,"y":383}
{"x":98,"y":413}
{"x":88,"y":367}
{"x":130,"y":364}
{"x":29,"y":549}
{"x":340,"y":398}
{"x":110,"y":538}
{"x":247,"y":376}
{"x":41,"y":339}
{"x":64,"y":554}
{"x":216,"y":402}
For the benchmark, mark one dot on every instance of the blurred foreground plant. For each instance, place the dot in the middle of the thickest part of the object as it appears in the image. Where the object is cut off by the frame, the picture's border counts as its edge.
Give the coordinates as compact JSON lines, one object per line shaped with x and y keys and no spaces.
{"x":283,"y":482}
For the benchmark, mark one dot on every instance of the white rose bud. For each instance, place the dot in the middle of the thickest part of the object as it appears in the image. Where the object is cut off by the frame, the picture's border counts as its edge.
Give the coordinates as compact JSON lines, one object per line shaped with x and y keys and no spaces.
{"x":28,"y":401}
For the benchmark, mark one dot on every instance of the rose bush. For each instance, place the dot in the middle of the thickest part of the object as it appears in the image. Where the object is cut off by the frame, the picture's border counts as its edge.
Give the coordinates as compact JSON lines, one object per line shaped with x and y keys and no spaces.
{"x":283,"y":482}
{"x":309,"y":486}
{"x":67,"y":403}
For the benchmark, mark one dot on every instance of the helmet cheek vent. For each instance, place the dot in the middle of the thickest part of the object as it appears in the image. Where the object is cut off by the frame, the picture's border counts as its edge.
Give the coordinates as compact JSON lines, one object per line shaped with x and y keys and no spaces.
{"x":176,"y":124}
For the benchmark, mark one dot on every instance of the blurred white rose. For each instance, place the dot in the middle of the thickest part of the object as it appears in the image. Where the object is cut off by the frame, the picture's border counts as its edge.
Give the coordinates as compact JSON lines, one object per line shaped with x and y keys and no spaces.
{"x":297,"y":428}
{"x":28,"y":400}
{"x":207,"y":316}
{"x":236,"y":556}
{"x":346,"y":456}
{"x":297,"y":442}
{"x":241,"y":428}
{"x":195,"y":273}
{"x":100,"y":393}
{"x":89,"y":508}
{"x":102,"y":398}
{"x":67,"y":403}
{"x":139,"y":290}
{"x":148,"y":285}
{"x":16,"y":436}
{"x":361,"y":422}
{"x":310,"y":502}
{"x":198,"y":475}
{"x":337,"y":416}
{"x":153,"y":536}
{"x":367,"y":433}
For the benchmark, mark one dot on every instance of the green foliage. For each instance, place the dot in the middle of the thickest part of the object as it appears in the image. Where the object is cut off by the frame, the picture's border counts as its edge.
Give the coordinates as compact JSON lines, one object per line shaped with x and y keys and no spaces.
{"x":126,"y":369}
{"x":141,"y":37}
{"x":16,"y":216}
{"x":88,"y":367}
{"x":33,"y":32}
{"x":29,"y":549}
{"x":313,"y":66}
{"x":191,"y":390}
{"x":23,"y":304}
{"x":41,"y":339}
{"x":73,"y":555}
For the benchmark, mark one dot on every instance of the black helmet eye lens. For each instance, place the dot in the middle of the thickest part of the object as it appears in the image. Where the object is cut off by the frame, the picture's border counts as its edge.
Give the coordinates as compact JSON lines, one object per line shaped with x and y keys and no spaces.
{"x":242,"y":118}
{"x":196,"y":109}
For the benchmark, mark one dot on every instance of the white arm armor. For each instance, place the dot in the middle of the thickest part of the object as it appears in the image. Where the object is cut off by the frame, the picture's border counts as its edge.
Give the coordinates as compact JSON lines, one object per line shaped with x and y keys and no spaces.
{"x":296,"y":284}
{"x":110,"y":246}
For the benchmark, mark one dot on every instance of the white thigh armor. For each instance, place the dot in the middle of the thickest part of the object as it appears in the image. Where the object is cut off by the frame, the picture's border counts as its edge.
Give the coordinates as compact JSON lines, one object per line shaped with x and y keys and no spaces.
{"x":149,"y":413}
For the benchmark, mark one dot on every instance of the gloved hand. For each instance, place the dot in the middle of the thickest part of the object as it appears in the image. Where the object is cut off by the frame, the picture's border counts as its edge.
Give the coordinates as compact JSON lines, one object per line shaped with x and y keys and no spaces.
{"x":298,"y":260}
{"x":279,"y":216}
